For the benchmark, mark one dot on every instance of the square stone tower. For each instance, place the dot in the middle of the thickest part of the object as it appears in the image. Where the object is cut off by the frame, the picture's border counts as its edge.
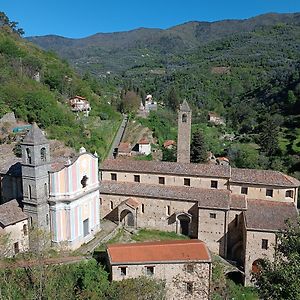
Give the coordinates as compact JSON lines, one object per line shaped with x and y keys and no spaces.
{"x":184,"y":133}
{"x":35,"y":178}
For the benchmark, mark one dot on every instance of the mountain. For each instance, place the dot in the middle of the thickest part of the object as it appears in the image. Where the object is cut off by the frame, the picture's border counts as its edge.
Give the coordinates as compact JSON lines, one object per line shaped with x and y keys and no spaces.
{"x":119,"y":51}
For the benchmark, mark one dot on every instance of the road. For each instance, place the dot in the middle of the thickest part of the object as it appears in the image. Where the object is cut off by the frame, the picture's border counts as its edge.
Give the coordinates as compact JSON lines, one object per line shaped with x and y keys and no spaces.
{"x":118,"y":137}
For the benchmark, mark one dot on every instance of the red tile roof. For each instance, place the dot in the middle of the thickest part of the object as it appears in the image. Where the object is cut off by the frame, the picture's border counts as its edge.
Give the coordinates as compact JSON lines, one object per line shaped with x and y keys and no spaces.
{"x":238,"y":202}
{"x":158,"y":252}
{"x":208,"y":198}
{"x":124,"y":148}
{"x":160,"y":167}
{"x":132,"y":203}
{"x":269,"y":215}
{"x":264,"y":177}
{"x":143,"y":141}
{"x":168,"y":143}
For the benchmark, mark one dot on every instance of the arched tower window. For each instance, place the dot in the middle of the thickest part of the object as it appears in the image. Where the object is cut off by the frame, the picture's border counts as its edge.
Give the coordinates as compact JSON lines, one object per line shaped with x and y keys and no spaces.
{"x":184,"y":118}
{"x":25,"y":229}
{"x":43,"y":154}
{"x":84,"y":181}
{"x":29,"y":192}
{"x":28,"y":156}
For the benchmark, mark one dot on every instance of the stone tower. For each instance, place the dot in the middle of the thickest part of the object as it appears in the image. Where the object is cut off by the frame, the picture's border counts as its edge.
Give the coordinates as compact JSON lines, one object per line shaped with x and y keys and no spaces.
{"x":35,"y":178}
{"x":184,"y":133}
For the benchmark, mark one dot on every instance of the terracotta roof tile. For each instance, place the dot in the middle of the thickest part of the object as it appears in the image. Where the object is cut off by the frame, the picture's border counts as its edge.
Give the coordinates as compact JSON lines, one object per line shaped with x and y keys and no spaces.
{"x":168,"y":143}
{"x":124,"y":147}
{"x":238,"y":202}
{"x":11,"y":213}
{"x":159,"y":167}
{"x":265,"y":177}
{"x":209,"y":198}
{"x":143,"y":141}
{"x":132,"y":203}
{"x":164,"y":251}
{"x":269,"y":215}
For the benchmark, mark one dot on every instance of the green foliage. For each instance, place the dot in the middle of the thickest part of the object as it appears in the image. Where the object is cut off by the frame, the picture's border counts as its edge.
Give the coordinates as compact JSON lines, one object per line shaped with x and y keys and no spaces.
{"x":280,"y":279}
{"x":198,"y":148}
{"x":156,"y":235}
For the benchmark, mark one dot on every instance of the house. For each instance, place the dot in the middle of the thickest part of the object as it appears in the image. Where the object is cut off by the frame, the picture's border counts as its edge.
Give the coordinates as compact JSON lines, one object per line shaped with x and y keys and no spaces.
{"x":14,"y":228}
{"x":144,"y":146}
{"x":150,"y":104}
{"x":169,"y":144}
{"x":185,"y":265}
{"x":222,"y":161}
{"x":80,"y":104}
{"x":214,"y":118}
{"x":124,"y":149}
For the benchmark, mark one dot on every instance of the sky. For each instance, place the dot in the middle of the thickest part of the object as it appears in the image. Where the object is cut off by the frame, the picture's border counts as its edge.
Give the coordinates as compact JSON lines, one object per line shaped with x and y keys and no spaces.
{"x":75,"y":19}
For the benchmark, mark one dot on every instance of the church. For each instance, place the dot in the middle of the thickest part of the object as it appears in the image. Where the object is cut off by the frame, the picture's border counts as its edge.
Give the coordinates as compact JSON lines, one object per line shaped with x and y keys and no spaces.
{"x":236,"y":212}
{"x":61,"y":197}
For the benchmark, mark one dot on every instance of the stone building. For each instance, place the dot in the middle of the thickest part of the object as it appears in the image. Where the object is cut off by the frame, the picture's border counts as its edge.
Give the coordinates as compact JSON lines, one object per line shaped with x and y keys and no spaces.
{"x":13,"y":228}
{"x":185,"y":265}
{"x":236,"y":212}
{"x":59,"y":196}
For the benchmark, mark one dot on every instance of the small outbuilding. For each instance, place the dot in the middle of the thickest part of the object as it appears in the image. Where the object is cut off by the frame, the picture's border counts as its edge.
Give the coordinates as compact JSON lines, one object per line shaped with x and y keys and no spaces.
{"x":185,"y":265}
{"x":144,"y":146}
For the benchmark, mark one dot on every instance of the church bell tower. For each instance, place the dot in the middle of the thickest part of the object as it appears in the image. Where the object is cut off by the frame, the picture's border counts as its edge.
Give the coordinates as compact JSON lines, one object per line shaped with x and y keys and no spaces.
{"x":35,"y":179}
{"x":184,"y":133}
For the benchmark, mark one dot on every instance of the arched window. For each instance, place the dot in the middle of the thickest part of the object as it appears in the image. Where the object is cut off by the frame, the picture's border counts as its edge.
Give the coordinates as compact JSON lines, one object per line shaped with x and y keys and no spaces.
{"x":184,"y":118}
{"x":29,"y":192}
{"x":43,"y":154}
{"x":111,"y":205}
{"x":46,"y":189}
{"x":84,"y":181}
{"x":28,"y":156}
{"x":25,"y":229}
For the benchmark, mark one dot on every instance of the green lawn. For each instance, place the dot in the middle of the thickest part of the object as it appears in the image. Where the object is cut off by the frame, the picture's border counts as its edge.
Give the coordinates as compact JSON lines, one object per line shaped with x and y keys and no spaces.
{"x":144,"y":235}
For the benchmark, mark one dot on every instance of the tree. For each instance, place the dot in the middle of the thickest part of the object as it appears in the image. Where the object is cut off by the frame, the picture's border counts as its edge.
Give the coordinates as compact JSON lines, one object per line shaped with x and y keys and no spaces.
{"x":198,"y":148}
{"x":268,"y":137}
{"x":6,"y":23}
{"x":172,"y":99}
{"x":280,"y":279}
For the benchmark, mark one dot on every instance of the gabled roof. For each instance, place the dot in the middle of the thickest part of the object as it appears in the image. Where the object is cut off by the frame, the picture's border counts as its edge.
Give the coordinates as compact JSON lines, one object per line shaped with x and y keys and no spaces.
{"x":11,"y":213}
{"x":184,"y":106}
{"x":161,"y":167}
{"x":269,"y":215}
{"x":264,"y":177}
{"x":35,"y":136}
{"x":132,"y":203}
{"x":206,"y":198}
{"x":158,"y":252}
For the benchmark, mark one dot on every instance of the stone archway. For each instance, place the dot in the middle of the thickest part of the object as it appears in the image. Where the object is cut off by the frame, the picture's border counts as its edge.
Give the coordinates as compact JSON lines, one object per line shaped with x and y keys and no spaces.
{"x":257,"y":266}
{"x":127,"y":218}
{"x":183,"y":223}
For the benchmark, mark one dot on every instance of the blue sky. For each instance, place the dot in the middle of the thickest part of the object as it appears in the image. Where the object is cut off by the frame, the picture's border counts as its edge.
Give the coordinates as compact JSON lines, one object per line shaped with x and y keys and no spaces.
{"x":74,"y":18}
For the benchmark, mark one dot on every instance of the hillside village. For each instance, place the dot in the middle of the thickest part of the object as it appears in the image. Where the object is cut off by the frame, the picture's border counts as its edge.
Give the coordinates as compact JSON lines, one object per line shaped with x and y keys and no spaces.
{"x":127,"y":191}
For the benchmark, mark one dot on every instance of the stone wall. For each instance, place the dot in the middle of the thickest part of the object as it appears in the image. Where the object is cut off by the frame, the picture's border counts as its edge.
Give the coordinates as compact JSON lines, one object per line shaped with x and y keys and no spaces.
{"x":176,"y":276}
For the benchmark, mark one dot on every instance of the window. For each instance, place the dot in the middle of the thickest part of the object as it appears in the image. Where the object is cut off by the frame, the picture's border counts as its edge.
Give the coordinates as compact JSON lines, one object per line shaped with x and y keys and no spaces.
{"x":31,"y":222}
{"x":28,"y":156}
{"x":213,"y":215}
{"x":29,"y":192}
{"x":100,"y":201}
{"x":16,"y":248}
{"x":187,"y":181}
{"x":236,"y":220}
{"x":113,"y":176}
{"x":264,"y":244}
{"x":289,"y":194}
{"x":123,"y":271}
{"x":184,"y":118}
{"x":25,"y":229}
{"x":161,"y":180}
{"x":84,"y":181}
{"x":47,"y":219}
{"x":150,"y":271}
{"x":214,"y":184}
{"x":189,"y":287}
{"x":85,"y":227}
{"x":46,"y":189}
{"x":269,"y":193}
{"x":168,"y":210}
{"x":111,"y":205}
{"x":43,"y":154}
{"x":137,"y":178}
{"x":244,"y":190}
{"x":143,"y":207}
{"x":190,"y":268}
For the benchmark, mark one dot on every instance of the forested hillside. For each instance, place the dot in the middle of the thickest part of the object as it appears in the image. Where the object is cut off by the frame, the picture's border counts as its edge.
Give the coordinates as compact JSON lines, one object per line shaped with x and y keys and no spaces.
{"x":44,"y":100}
{"x":247,"y":71}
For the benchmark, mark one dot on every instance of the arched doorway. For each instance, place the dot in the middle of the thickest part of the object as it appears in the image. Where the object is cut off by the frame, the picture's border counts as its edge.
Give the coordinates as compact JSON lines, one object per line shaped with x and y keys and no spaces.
{"x":184,"y":224}
{"x":257,"y":266}
{"x":127,"y":218}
